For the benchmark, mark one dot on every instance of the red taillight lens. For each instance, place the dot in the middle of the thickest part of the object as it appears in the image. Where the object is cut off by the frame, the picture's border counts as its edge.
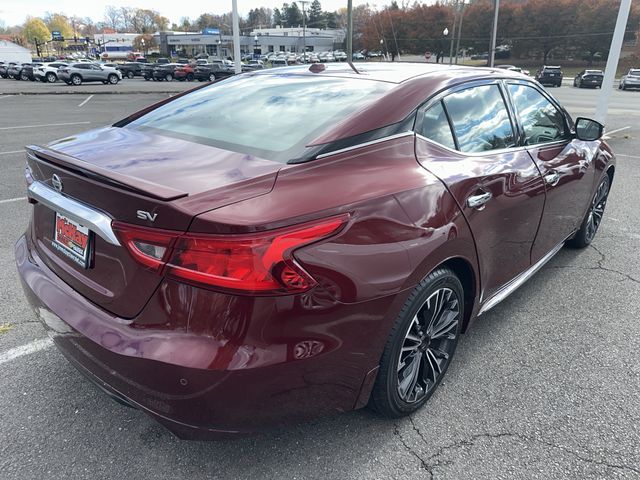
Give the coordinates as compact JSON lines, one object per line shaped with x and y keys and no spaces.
{"x":260,"y":263}
{"x":149,"y":246}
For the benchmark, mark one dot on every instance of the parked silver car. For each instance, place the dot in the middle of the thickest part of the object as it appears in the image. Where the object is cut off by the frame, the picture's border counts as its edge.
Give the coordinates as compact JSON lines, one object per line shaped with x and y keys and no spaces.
{"x":76,"y":73}
{"x":630,"y":80}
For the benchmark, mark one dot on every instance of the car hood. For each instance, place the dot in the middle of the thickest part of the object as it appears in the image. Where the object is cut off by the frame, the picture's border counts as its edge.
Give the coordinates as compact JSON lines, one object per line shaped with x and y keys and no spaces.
{"x":161,"y":166}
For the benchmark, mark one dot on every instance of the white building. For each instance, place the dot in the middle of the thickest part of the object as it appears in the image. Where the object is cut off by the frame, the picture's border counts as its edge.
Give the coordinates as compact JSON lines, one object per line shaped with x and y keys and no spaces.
{"x":12,"y":52}
{"x":338,"y":34}
{"x":114,"y":46}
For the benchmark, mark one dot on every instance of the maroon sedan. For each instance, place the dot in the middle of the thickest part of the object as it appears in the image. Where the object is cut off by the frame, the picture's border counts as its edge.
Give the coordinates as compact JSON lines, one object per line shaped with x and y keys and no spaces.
{"x":294,"y":242}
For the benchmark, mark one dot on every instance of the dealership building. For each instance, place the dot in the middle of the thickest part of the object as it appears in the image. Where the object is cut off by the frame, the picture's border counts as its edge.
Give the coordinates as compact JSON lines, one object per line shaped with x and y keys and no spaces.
{"x":265,"y":40}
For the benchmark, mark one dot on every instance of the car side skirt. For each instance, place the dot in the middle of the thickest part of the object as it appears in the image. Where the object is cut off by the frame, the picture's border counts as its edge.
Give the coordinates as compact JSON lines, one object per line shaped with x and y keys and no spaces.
{"x":518,"y":281}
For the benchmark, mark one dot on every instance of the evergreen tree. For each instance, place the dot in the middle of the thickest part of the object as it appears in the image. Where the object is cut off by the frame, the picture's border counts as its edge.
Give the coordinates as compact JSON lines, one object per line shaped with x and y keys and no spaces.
{"x":315,"y":15}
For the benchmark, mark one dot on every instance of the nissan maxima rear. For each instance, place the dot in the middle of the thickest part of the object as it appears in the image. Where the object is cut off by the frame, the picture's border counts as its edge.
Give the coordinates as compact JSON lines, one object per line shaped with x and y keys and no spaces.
{"x":302,"y":241}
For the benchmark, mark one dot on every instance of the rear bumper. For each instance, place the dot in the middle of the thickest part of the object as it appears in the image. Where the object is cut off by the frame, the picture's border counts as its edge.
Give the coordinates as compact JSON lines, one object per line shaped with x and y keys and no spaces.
{"x":219,"y":380}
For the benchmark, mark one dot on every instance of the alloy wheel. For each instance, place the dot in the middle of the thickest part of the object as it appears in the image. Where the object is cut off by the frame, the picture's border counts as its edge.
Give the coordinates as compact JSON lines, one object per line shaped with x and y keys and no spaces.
{"x":596,"y":211}
{"x":428,"y":345}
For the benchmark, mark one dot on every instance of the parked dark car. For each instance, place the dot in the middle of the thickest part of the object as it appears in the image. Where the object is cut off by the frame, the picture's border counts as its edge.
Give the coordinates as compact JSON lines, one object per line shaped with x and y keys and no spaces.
{"x":3,"y":69}
{"x":131,"y":69}
{"x":165,"y":71}
{"x":147,"y":70}
{"x":225,"y":279}
{"x":28,"y":71}
{"x":211,"y":72}
{"x":589,"y":78}
{"x":14,"y":70}
{"x":550,"y":76}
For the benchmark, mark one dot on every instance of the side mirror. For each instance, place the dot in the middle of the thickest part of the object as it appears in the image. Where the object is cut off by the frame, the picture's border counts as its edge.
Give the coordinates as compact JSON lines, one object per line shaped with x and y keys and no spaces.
{"x":588,"y":130}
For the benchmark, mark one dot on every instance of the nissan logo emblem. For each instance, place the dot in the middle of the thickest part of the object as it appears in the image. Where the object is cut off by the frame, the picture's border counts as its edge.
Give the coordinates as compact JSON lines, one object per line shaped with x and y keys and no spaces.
{"x":56,"y":182}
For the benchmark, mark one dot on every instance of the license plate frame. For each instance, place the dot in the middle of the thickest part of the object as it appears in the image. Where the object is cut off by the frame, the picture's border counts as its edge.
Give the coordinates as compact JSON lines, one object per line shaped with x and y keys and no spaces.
{"x":72,"y":239}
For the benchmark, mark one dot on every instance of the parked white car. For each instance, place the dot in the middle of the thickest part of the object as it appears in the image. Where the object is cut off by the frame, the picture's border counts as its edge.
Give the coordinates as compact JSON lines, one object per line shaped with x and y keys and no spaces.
{"x":630,"y":80}
{"x":48,"y":72}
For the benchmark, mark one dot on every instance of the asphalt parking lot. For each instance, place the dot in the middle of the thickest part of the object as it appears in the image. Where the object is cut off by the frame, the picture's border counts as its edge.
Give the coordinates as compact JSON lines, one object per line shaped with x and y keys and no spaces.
{"x":544,"y":386}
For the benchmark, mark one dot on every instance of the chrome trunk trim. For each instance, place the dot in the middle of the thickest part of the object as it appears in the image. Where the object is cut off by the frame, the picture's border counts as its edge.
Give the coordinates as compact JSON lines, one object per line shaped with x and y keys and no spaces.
{"x":94,"y":220}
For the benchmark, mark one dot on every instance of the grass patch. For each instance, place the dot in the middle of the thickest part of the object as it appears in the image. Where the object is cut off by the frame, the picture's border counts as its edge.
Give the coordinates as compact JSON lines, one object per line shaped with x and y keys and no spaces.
{"x":5,"y":327}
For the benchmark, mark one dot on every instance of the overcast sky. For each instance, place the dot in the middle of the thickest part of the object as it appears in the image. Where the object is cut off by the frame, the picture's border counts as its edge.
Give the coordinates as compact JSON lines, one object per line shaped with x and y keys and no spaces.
{"x":13,"y":12}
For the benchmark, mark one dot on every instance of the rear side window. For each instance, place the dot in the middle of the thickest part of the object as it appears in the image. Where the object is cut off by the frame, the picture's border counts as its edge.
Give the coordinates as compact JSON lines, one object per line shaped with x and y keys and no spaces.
{"x":435,"y":126}
{"x":480,"y":119}
{"x":541,"y":120}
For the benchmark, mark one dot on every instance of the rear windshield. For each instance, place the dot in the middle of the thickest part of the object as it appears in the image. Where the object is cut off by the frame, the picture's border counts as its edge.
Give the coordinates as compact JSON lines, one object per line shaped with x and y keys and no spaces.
{"x":269,"y":116}
{"x":634,"y":72}
{"x":552,"y":69}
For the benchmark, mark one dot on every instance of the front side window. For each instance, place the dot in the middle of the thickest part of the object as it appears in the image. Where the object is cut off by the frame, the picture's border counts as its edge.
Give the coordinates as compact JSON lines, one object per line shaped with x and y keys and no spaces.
{"x":541,"y":120}
{"x":480,"y":119}
{"x":435,"y":126}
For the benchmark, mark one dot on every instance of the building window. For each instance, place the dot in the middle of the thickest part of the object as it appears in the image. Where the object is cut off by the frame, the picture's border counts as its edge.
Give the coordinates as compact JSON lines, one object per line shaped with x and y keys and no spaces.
{"x":270,"y":48}
{"x":282,"y":49}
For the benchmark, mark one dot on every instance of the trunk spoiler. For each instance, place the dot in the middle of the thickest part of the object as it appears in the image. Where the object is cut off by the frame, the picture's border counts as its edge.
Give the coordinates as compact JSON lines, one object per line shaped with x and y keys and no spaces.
{"x":104,"y":175}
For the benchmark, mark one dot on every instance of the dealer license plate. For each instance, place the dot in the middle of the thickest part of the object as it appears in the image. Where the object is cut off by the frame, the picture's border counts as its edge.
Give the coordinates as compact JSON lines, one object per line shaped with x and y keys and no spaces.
{"x":72,"y":240}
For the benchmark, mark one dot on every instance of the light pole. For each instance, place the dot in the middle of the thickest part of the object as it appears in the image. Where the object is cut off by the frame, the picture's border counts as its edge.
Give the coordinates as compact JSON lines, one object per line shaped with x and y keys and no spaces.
{"x":255,"y":49}
{"x":144,"y":51}
{"x":381,"y":48}
{"x":494,"y":31}
{"x":460,"y":31}
{"x":304,"y":31}
{"x":453,"y":34}
{"x":445,"y":32}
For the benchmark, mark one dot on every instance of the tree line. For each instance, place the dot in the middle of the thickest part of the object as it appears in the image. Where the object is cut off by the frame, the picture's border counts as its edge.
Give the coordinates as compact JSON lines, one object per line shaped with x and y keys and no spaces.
{"x":528,"y":29}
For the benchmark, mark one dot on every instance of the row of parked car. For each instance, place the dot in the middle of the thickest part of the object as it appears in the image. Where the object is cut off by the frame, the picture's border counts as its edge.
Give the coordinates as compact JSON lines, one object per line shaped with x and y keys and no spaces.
{"x":551,"y":75}
{"x":76,"y":72}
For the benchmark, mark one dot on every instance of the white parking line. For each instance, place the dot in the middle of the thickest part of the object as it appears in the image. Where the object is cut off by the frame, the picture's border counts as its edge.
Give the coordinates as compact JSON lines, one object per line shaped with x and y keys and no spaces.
{"x":616,"y":130}
{"x":13,"y":151}
{"x":5,"y":96}
{"x":9,"y":200}
{"x":624,"y":155}
{"x":44,"y":125}
{"x":86,"y":100}
{"x":27,"y":349}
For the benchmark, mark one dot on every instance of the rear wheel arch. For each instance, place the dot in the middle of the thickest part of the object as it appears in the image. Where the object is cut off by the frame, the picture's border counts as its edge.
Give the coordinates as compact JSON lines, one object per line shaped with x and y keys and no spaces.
{"x":611,"y":170}
{"x":466,"y":274}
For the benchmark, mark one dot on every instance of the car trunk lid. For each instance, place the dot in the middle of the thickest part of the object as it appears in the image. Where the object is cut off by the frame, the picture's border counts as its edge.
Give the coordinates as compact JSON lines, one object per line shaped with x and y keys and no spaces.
{"x":137,"y":178}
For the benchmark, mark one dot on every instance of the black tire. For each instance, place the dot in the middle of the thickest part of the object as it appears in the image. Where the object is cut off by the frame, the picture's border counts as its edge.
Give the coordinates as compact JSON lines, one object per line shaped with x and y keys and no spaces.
{"x":212,"y":77}
{"x":190,"y":77}
{"x":575,"y":82}
{"x":146,"y":79}
{"x":168,"y":77}
{"x":594,"y":215}
{"x":130,"y":74}
{"x":76,"y":80}
{"x":430,"y":321}
{"x":113,"y":79}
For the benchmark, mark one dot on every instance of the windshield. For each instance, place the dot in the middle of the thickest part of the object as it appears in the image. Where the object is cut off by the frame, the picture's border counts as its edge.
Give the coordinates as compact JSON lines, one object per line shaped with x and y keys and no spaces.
{"x":634,"y":72}
{"x":270,"y":116}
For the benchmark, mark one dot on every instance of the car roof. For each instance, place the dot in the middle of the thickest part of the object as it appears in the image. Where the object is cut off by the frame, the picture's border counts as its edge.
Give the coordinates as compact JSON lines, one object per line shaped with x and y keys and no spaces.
{"x":395,"y":72}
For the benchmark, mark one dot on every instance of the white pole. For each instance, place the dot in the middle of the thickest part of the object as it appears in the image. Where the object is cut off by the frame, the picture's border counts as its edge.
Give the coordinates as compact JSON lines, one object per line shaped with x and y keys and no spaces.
{"x":612,"y":61}
{"x":494,"y":31}
{"x":236,"y":37}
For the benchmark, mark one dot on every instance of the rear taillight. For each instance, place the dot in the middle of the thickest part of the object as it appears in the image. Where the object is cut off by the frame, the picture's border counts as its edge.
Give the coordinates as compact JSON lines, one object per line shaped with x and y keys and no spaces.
{"x":260,"y":263}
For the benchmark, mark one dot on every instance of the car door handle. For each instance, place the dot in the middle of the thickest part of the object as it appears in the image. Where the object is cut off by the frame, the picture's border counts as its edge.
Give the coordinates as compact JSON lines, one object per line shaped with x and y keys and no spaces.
{"x":552,"y":178}
{"x":478,"y":201}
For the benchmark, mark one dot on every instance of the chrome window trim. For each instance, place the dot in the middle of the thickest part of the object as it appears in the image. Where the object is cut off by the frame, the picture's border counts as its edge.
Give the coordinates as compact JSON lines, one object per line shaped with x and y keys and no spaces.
{"x":94,"y":220}
{"x":486,"y":153}
{"x":366,"y":144}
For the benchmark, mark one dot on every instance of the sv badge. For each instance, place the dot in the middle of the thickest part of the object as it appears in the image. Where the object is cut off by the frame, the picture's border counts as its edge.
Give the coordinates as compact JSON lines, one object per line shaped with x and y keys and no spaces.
{"x":142,"y":215}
